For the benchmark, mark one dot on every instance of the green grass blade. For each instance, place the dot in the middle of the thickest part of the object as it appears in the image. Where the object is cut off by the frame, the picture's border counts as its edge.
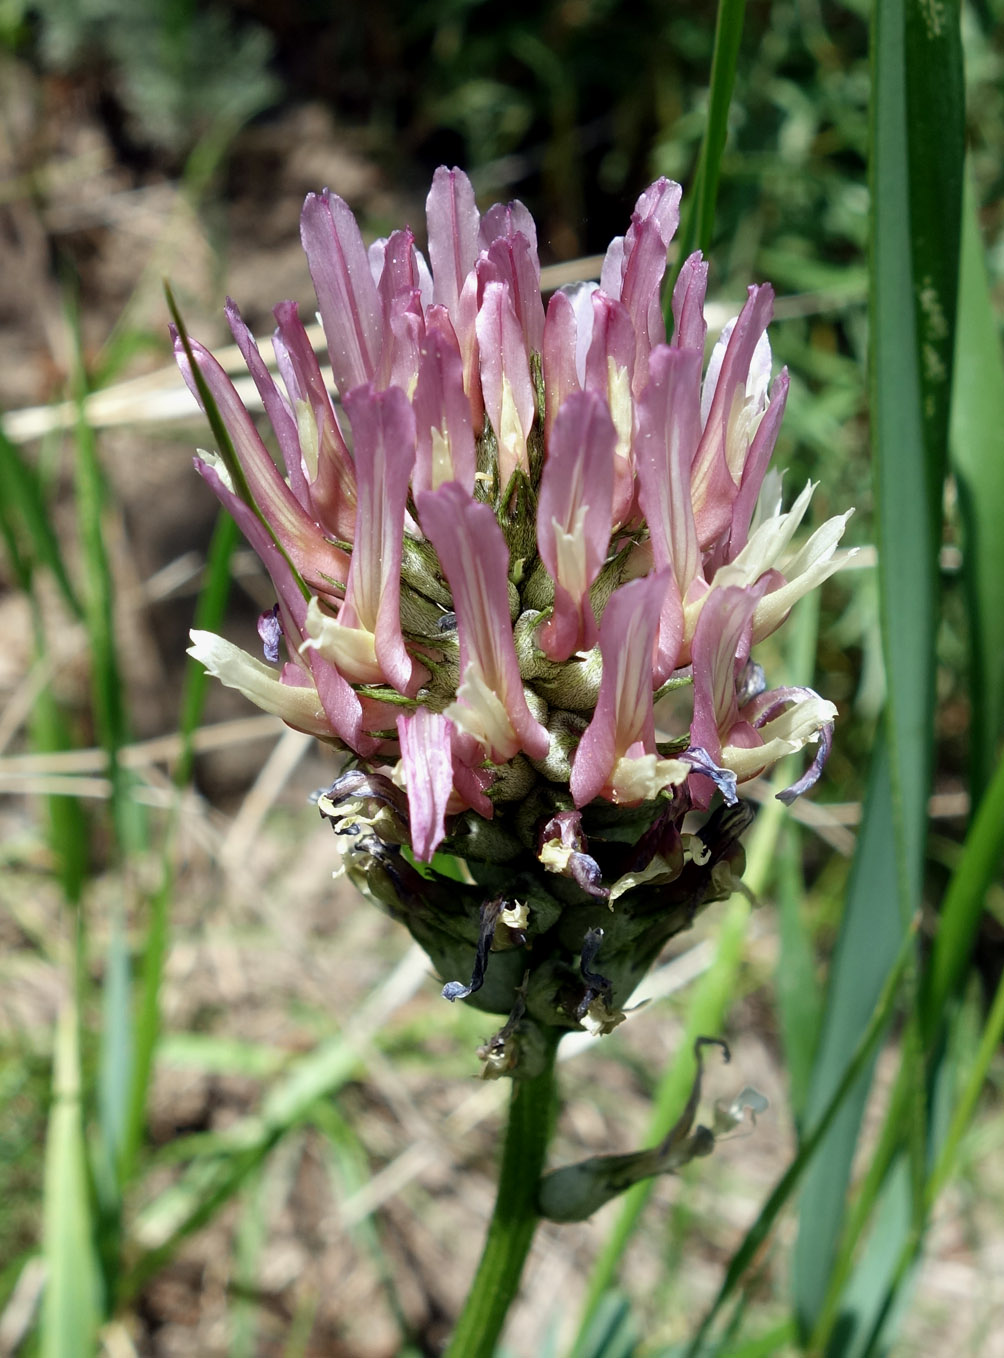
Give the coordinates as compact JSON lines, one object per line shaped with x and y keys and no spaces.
{"x":705,"y":1014}
{"x":68,"y":830}
{"x":108,"y":691}
{"x":881,"y":1265}
{"x":710,"y":1004}
{"x":27,"y":526}
{"x":698,"y":225}
{"x":116,"y":1059}
{"x":71,"y":1307}
{"x":799,"y":1001}
{"x":916,"y":156}
{"x":209,"y":613}
{"x":870,"y":936}
{"x":976,"y":424}
{"x":862,"y":1058}
{"x":962,"y":907}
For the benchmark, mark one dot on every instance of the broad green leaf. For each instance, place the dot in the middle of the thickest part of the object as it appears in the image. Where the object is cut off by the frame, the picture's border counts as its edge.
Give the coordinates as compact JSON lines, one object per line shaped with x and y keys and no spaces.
{"x":915,"y":169}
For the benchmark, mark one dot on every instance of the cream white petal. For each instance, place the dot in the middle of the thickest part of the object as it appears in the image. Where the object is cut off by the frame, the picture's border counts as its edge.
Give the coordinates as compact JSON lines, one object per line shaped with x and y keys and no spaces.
{"x":300,"y":707}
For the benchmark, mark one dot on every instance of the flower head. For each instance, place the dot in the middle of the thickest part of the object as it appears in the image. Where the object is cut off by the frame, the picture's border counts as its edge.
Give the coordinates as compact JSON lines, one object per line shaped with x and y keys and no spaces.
{"x":492,"y":547}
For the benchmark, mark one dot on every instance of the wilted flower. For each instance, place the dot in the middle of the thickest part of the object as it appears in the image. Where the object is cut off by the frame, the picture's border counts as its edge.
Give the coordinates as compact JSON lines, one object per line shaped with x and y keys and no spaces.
{"x":515,"y":532}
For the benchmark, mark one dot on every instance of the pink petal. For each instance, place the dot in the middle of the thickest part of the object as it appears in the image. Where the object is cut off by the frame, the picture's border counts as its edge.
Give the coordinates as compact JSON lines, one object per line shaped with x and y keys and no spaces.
{"x":713,"y":489}
{"x":383,"y":429}
{"x":452,"y":216}
{"x":332,"y":487}
{"x":475,"y":561}
{"x":561,"y":376}
{"x":277,"y":409}
{"x":442,"y":411}
{"x":503,"y":220}
{"x":340,"y":703}
{"x":317,"y":560}
{"x":505,"y":379}
{"x":512,"y":260}
{"x":623,"y":722}
{"x":427,"y":754}
{"x":346,"y":293}
{"x":578,"y":476}
{"x":690,"y":329}
{"x":669,"y":427}
{"x":721,"y":643}
{"x":756,"y":465}
{"x":610,"y":372}
{"x":644,"y":268}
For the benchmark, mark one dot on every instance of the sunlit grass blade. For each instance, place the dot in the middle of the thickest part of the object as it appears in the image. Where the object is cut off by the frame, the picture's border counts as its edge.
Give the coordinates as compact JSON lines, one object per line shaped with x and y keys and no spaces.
{"x":976,"y":425}
{"x":696,"y":229}
{"x":862,"y":1057}
{"x":71,"y":1306}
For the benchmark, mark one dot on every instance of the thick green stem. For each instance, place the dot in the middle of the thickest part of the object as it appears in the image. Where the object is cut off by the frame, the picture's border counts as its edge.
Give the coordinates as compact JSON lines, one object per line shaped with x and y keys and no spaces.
{"x":531,"y":1114}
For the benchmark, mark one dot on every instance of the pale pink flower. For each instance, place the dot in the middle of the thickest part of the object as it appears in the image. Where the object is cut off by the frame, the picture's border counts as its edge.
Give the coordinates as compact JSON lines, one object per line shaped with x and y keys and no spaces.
{"x":510,"y":527}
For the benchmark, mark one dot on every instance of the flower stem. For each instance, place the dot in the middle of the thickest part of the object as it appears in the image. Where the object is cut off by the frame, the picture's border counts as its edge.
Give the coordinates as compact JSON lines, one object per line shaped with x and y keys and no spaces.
{"x":514,"y":1221}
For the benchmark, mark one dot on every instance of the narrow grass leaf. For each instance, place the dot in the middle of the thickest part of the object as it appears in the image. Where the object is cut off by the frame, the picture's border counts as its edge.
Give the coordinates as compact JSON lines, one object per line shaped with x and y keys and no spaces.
{"x":698,"y":225}
{"x":962,"y":907}
{"x":27,"y":524}
{"x":68,"y":831}
{"x":107,"y":689}
{"x":799,"y":999}
{"x":870,"y":935}
{"x":116,"y":1058}
{"x":976,"y":425}
{"x":350,"y":1172}
{"x":209,"y":612}
{"x":71,"y":1306}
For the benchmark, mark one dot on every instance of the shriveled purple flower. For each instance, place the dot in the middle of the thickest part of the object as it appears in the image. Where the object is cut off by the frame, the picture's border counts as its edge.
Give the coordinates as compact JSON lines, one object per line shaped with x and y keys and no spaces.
{"x":508,"y":530}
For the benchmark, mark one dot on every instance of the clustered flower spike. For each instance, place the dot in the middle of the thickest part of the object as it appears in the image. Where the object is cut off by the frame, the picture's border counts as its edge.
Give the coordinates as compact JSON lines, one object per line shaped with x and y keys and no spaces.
{"x":512,"y":528}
